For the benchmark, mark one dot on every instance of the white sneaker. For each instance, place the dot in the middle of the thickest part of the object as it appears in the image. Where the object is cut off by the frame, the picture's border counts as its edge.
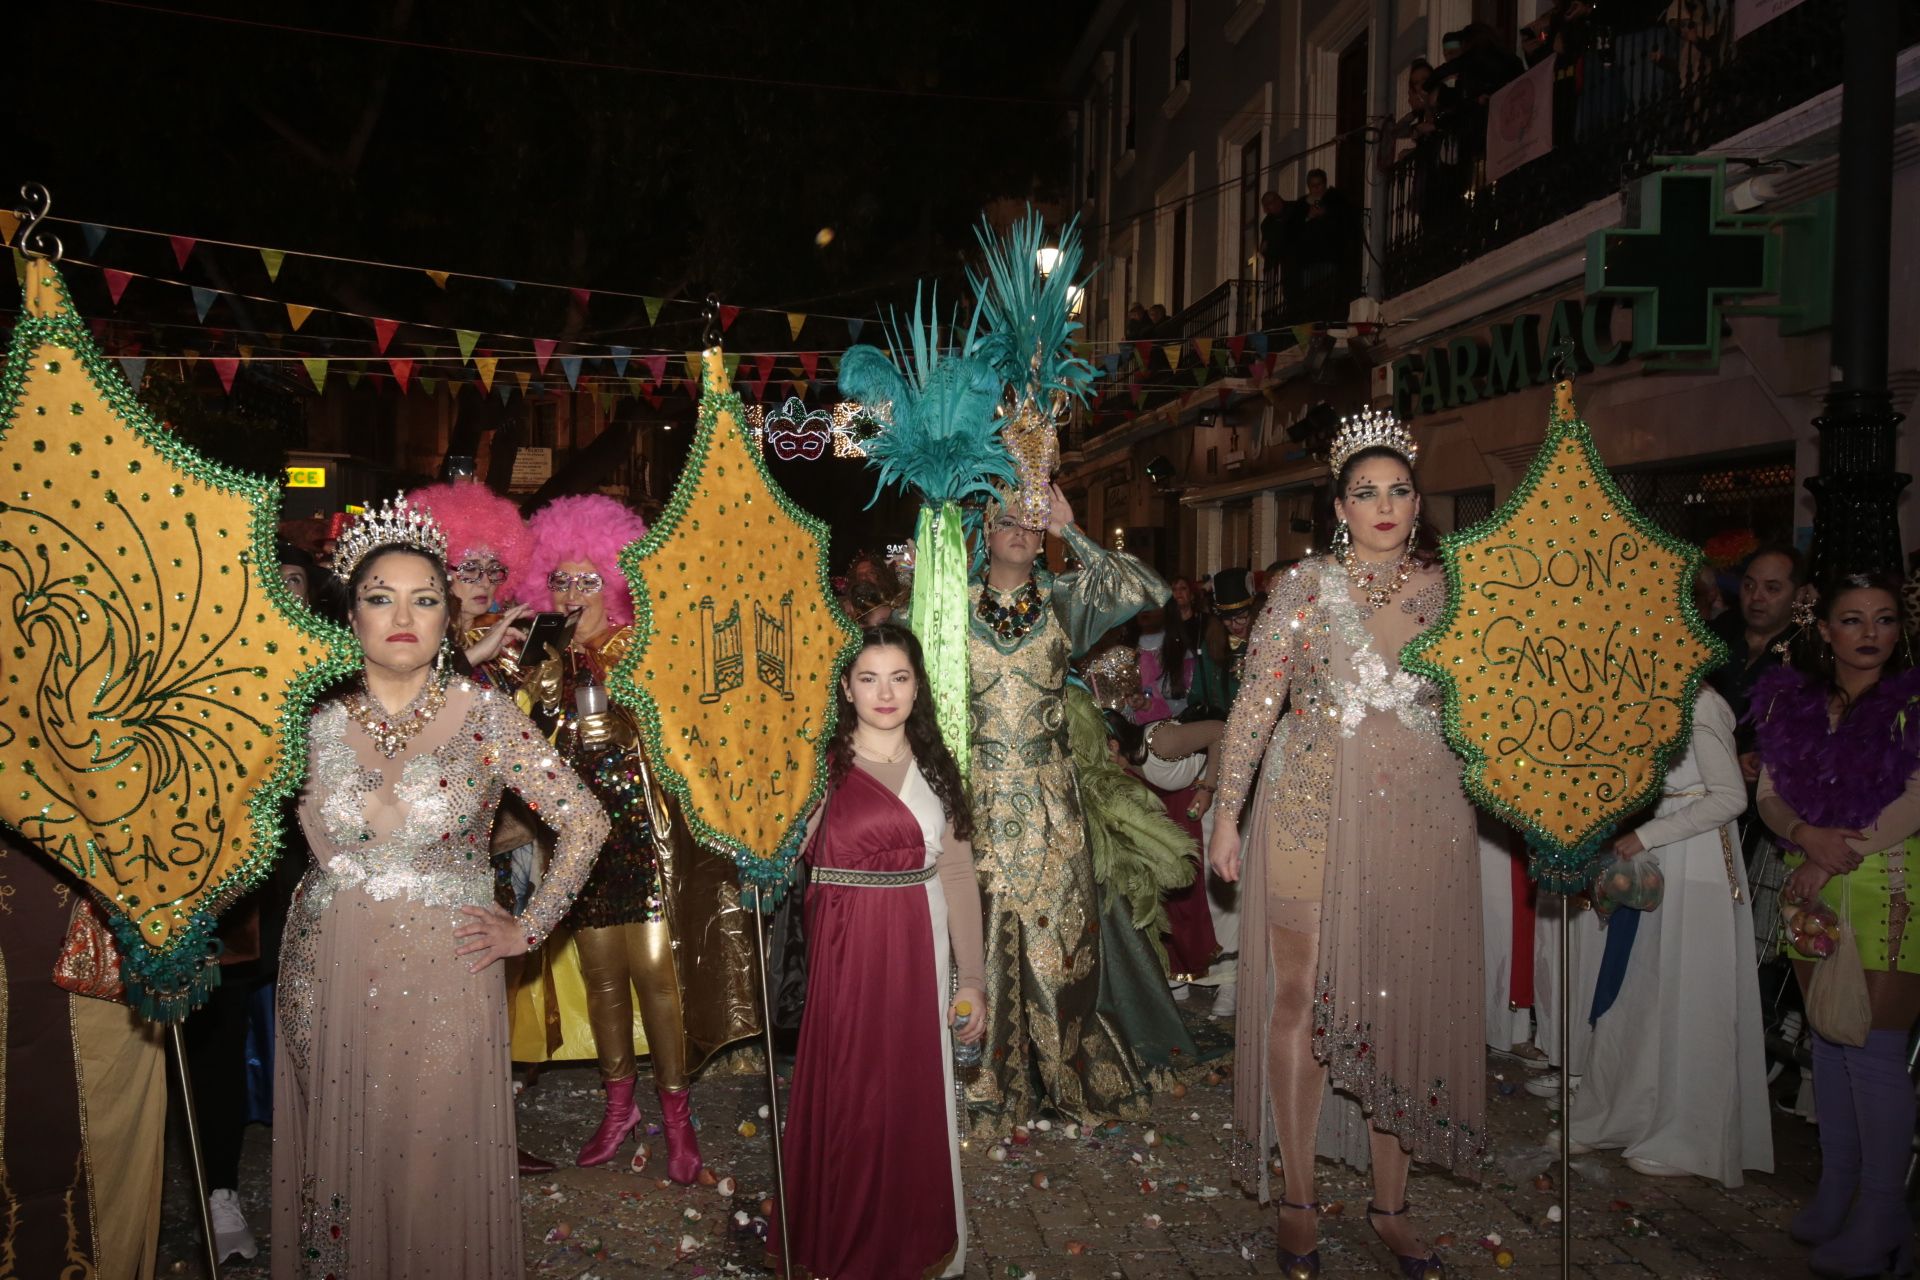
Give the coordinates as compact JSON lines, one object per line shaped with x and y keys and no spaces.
{"x":231,"y":1235}
{"x":1552,"y":1143}
{"x":1548,"y":1085}
{"x":1226,"y":1000}
{"x":1178,"y":990}
{"x":1654,"y":1168}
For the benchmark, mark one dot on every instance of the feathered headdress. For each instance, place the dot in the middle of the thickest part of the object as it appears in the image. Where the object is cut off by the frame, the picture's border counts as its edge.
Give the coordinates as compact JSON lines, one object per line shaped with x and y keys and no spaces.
{"x":939,"y":414}
{"x":1027,"y":335}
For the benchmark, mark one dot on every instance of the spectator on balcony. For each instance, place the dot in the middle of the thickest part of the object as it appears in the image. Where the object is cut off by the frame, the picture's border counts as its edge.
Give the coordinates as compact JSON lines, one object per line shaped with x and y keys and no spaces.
{"x":1273,"y":236}
{"x":1562,"y":33}
{"x":1156,"y":319}
{"x":1700,"y":27}
{"x":1476,"y":73}
{"x":1323,"y":232}
{"x":1138,"y":321}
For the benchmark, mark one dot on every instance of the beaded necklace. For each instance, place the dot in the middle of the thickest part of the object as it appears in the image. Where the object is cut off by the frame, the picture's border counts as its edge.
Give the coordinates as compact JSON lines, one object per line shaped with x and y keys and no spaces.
{"x":1013,"y":620}
{"x":392,"y":732}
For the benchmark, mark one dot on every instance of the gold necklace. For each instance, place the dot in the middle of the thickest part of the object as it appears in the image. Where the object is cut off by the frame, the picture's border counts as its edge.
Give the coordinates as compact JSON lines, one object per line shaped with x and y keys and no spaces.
{"x":392,"y":732}
{"x":1365,"y":578}
{"x":906,"y":749}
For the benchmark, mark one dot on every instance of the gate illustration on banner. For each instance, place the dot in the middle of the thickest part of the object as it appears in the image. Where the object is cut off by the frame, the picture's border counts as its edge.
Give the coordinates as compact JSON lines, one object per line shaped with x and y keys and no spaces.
{"x":721,"y":659}
{"x":773,"y":645}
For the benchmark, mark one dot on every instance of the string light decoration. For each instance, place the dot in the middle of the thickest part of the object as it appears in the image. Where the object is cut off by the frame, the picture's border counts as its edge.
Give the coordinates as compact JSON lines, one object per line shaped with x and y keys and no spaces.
{"x":847,"y":424}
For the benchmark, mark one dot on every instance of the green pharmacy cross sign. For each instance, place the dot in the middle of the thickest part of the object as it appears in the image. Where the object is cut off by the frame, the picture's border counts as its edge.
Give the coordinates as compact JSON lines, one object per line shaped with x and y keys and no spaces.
{"x":1685,"y":262}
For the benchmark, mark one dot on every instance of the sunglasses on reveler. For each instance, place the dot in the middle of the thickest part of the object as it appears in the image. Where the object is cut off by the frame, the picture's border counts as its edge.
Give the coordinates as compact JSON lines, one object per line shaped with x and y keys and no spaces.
{"x":560,"y":582}
{"x":474,"y":570}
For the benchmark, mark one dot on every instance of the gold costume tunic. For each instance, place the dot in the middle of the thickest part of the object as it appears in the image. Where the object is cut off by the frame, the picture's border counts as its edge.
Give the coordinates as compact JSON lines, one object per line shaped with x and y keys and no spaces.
{"x":1361,"y":833}
{"x":1047,"y":1043}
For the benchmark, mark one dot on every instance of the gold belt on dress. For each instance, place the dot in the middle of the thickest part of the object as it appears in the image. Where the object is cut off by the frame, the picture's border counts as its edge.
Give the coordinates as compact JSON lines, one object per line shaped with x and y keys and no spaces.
{"x":1726,"y":843}
{"x":870,"y":879}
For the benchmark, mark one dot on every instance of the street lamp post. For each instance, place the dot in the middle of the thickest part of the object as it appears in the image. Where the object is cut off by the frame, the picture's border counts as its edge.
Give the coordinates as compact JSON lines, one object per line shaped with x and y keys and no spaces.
{"x":1856,"y":495}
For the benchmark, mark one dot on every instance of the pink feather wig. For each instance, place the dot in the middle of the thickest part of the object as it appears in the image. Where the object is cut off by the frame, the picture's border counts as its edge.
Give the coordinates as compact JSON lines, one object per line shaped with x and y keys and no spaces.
{"x":587,"y":526}
{"x":475,"y":519}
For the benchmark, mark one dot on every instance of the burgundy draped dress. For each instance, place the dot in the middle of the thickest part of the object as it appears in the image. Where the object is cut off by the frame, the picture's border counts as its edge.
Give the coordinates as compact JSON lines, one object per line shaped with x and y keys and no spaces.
{"x":871,"y":1150}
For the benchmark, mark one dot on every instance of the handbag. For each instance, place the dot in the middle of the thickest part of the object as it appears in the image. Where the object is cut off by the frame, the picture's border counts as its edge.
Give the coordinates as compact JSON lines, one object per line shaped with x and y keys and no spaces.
{"x":1837,"y":1003}
{"x":89,"y":960}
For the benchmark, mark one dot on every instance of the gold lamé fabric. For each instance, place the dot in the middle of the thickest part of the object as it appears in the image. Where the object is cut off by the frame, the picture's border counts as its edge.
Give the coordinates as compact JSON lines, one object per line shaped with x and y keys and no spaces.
{"x":1048,"y":1046}
{"x":1364,"y":836}
{"x":651,"y":871}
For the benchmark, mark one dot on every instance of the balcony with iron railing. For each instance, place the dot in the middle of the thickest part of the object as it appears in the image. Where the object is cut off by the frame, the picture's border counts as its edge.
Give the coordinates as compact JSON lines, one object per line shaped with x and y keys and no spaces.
{"x":1664,"y":87}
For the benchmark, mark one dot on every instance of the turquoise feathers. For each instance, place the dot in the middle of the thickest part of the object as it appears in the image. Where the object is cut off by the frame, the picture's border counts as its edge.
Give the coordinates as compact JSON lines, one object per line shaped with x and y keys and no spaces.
{"x":1026,"y":319}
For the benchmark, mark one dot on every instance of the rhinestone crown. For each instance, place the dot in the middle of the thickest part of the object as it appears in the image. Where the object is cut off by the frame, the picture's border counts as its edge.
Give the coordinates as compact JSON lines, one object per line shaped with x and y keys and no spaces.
{"x":1371,"y":429}
{"x":395,"y":524}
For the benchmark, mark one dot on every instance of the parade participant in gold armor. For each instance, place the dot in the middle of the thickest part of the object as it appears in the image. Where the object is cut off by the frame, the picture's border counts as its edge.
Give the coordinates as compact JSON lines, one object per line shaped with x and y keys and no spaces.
{"x":659,"y":915}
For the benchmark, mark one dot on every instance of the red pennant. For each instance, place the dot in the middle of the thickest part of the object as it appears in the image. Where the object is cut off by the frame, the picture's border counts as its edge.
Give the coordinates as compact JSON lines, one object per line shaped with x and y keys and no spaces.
{"x":402,"y":370}
{"x":727,"y":316}
{"x":810,"y":364}
{"x":693,"y":388}
{"x":226,"y":367}
{"x":765,"y":365}
{"x":653,"y":401}
{"x":1144,"y":350}
{"x":182,"y":249}
{"x":543,"y":351}
{"x":1237,"y":347}
{"x":580,"y":296}
{"x":116,"y":283}
{"x":656,"y":367}
{"x":383,"y":331}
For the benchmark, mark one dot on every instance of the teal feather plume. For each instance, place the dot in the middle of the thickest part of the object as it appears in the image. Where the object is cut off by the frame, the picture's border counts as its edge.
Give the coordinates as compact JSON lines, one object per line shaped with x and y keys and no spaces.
{"x":1028,"y":326}
{"x":939,"y":430}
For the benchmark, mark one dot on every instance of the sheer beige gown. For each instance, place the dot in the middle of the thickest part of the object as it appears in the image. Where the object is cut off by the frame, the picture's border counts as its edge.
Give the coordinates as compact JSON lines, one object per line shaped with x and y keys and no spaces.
{"x":393,"y":1133}
{"x":1360,"y":830}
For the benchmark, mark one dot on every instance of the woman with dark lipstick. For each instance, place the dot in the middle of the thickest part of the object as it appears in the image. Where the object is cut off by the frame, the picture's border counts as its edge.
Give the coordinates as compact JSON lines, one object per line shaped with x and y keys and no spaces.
{"x":1840,"y":750}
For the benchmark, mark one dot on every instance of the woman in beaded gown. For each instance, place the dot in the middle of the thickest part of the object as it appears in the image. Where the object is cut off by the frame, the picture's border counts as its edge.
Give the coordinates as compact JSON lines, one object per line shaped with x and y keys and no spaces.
{"x":1360,"y":951}
{"x":1048,"y":1043}
{"x":660,"y":917}
{"x":393,"y":1135}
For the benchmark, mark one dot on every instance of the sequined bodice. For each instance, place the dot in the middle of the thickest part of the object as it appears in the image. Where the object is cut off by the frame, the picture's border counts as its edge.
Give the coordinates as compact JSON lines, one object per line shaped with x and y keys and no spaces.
{"x":1017,"y":701}
{"x":419,"y":825}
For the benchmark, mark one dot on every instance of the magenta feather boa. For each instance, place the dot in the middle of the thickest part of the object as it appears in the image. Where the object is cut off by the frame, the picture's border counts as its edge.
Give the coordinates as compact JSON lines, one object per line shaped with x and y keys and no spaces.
{"x":1845,"y":777}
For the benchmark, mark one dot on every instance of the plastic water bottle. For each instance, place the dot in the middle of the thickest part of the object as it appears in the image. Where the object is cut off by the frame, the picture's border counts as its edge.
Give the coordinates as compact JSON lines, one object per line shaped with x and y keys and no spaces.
{"x":964,"y":1055}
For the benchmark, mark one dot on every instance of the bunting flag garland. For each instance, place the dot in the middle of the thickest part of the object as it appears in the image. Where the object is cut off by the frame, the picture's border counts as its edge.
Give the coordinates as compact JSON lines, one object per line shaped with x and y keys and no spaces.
{"x":468,"y":339}
{"x":653,"y":308}
{"x":439,"y":278}
{"x":203,"y":302}
{"x":727,"y":316}
{"x":656,"y":367}
{"x":796,"y":321}
{"x":297,"y":315}
{"x":383,"y":331}
{"x":182,"y":249}
{"x":810,"y":364}
{"x":9,"y":223}
{"x":273,"y":258}
{"x":581,"y":296}
{"x":543,"y":351}
{"x":317,"y":371}
{"x":570,"y":365}
{"x":135,"y":367}
{"x":117,"y":282}
{"x":853,"y":331}
{"x":95,"y":234}
{"x":1173,"y":351}
{"x":402,"y":370}
{"x":620,"y":357}
{"x":226,"y":367}
{"x":485,"y":366}
{"x":1203,"y":347}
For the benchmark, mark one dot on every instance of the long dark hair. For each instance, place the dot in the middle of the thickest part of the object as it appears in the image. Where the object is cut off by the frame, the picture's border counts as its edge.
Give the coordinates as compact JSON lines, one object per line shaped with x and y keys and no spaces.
{"x":937,"y":764}
{"x":1813,"y":655}
{"x":1426,"y":545}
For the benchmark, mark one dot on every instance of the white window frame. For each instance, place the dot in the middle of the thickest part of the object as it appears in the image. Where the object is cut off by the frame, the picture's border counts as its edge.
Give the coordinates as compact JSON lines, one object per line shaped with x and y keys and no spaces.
{"x":1252,"y":120}
{"x":1324,"y":45}
{"x":1125,"y":103}
{"x":1177,"y":188}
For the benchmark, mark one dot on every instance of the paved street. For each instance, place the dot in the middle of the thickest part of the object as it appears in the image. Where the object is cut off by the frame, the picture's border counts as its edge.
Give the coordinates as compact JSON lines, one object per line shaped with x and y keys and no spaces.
{"x":1143,"y":1201}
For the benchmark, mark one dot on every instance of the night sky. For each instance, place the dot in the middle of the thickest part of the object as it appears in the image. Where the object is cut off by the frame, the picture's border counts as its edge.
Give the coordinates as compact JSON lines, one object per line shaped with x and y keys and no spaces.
{"x":716,"y":177}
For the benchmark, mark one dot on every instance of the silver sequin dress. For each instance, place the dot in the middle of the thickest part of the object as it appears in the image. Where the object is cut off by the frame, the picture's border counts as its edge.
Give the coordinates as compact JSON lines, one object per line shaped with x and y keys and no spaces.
{"x":393,"y":1129}
{"x":1359,"y":830}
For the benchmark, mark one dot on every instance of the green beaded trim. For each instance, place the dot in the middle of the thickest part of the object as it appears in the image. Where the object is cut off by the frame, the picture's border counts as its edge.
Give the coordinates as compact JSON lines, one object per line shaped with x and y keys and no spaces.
{"x":167,"y":982}
{"x":1563,"y":867}
{"x":767,"y":872}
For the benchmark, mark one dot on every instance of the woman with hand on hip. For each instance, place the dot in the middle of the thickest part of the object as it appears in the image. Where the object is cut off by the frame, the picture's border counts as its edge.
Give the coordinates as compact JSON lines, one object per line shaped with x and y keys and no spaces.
{"x":1360,"y":954}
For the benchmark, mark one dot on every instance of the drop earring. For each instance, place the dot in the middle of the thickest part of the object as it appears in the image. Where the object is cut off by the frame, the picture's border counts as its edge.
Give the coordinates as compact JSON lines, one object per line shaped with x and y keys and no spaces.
{"x":1413,"y":536}
{"x":444,"y":659}
{"x":1342,"y":540}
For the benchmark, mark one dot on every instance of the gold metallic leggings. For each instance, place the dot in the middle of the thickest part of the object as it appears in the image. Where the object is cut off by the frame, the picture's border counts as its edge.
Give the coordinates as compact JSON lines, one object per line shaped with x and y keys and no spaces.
{"x":616,"y":961}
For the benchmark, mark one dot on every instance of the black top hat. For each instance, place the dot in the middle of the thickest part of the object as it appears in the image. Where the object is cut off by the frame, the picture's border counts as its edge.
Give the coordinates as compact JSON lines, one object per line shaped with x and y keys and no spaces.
{"x":1232,"y":592}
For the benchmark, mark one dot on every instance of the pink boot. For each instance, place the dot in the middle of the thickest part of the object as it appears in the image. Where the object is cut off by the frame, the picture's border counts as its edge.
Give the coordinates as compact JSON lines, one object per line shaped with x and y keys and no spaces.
{"x":615,"y":1125}
{"x":683,"y":1145}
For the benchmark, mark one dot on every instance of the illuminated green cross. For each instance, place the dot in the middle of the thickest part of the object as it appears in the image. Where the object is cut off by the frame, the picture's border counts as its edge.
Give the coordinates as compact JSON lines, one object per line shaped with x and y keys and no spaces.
{"x":1684,"y":263}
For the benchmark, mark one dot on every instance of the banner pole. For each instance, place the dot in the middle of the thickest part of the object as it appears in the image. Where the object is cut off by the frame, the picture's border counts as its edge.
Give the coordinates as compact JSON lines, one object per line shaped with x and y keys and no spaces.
{"x":1566,"y":1087}
{"x":193,"y":1145}
{"x":773,"y":1077}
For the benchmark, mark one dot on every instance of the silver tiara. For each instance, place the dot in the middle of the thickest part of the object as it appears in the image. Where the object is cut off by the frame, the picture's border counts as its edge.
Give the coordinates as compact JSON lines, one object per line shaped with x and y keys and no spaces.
{"x":1370,"y":429}
{"x":394,"y":525}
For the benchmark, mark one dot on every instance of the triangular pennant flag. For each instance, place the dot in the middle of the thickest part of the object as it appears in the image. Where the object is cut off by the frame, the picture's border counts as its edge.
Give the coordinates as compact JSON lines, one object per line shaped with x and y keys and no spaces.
{"x":796,"y":321}
{"x":273,"y":258}
{"x":439,"y":279}
{"x":1302,"y":334}
{"x":246,"y":356}
{"x":9,"y":223}
{"x":1237,"y":347}
{"x":653,"y":308}
{"x":523,"y":378}
{"x":581,"y":296}
{"x":383,"y":331}
{"x":1203,"y":347}
{"x":135,"y":367}
{"x":810,"y":363}
{"x":1260,"y":344}
{"x":116,"y":283}
{"x":1144,"y":352}
{"x":226,"y":367}
{"x":730,"y":362}
{"x":570,"y":365}
{"x":94,"y":235}
{"x":402,"y":370}
{"x":1173,"y":351}
{"x":764,"y":364}
{"x":19,"y":267}
{"x":692,"y":386}
{"x":693,"y":367}
{"x":656,"y":367}
{"x":486,"y":365}
{"x":191,"y":357}
{"x":317,"y":371}
{"x":543,"y":352}
{"x":653,"y":401}
{"x":1201,"y":372}
{"x":1111,"y":362}
{"x":202,"y":301}
{"x":182,"y":249}
{"x":1139,"y":393}
{"x":297,"y":315}
{"x":635,"y":387}
{"x":504,"y":283}
{"x":506,"y":392}
{"x":429,"y":385}
{"x":467,"y":338}
{"x":620,"y":357}
{"x":799,"y":386}
{"x":727,"y":316}
{"x":853,"y":330}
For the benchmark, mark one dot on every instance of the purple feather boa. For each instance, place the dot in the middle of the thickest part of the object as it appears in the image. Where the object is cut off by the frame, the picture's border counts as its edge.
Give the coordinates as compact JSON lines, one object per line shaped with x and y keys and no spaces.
{"x":1846,"y":776}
